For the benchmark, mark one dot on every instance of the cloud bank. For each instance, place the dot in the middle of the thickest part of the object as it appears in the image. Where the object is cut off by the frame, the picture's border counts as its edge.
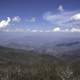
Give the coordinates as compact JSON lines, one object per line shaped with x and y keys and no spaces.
{"x":56,"y":29}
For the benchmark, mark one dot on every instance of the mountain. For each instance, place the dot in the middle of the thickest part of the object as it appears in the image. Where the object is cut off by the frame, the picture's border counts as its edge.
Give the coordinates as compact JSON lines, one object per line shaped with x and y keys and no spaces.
{"x":68,"y":44}
{"x":19,"y":64}
{"x":18,"y":55}
{"x":54,"y":44}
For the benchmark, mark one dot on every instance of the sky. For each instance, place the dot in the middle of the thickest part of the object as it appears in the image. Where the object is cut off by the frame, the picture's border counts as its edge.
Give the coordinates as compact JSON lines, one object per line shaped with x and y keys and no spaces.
{"x":39,"y":15}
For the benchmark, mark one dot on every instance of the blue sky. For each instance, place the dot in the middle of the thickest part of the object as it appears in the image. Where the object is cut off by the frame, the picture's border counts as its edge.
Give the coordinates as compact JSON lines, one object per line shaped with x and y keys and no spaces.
{"x":39,"y":14}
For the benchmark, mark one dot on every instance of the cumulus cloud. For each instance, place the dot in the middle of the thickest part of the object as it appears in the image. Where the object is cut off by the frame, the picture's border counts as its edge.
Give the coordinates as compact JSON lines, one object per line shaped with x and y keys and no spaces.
{"x":76,"y":17}
{"x":33,"y":19}
{"x":16,"y":19}
{"x":57,"y":29}
{"x":5,"y":23}
{"x":67,"y":19}
{"x":75,"y":30}
{"x":64,"y":19}
{"x":60,"y":8}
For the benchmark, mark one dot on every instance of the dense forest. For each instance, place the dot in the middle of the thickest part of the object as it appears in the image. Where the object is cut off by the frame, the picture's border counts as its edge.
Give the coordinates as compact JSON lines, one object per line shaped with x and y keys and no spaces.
{"x":16,"y":64}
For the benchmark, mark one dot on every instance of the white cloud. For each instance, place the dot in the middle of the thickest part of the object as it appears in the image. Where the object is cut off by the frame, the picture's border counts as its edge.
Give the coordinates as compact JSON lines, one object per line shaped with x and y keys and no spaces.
{"x":65,"y":30}
{"x":64,"y":19}
{"x":5,"y":23}
{"x":57,"y":29}
{"x":16,"y":19}
{"x":33,"y":19}
{"x":33,"y":30}
{"x":76,"y":17}
{"x":57,"y":18}
{"x":36,"y":30}
{"x":60,"y":8}
{"x":75,"y":30}
{"x":48,"y":16}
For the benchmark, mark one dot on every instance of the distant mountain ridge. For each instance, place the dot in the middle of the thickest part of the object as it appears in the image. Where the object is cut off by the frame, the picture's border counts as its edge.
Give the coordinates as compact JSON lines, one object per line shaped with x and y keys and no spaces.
{"x":69,"y":43}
